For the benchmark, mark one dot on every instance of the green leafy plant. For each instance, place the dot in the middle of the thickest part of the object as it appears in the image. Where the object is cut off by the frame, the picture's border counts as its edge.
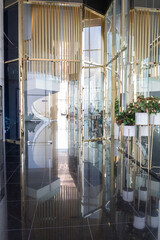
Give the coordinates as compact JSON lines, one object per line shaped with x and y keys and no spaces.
{"x":148,"y":104}
{"x":116,"y":106}
{"x":126,"y":118}
{"x":153,"y":104}
{"x":143,"y":105}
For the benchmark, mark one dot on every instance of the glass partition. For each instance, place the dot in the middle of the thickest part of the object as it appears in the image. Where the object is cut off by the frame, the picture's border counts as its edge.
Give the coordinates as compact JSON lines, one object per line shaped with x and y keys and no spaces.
{"x":51,"y":51}
{"x":132,"y":69}
{"x":93,"y":74}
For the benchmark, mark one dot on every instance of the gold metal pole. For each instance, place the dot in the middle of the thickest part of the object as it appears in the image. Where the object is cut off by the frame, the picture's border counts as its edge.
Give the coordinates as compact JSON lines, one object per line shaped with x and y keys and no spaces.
{"x":146,"y":35}
{"x":157,"y":45}
{"x":113,"y":94}
{"x":149,"y":33}
{"x":43,"y":34}
{"x":49,"y":37}
{"x":142,"y":22}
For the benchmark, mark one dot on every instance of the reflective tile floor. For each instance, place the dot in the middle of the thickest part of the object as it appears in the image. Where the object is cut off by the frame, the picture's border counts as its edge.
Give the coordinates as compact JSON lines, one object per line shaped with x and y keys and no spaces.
{"x":55,"y":197}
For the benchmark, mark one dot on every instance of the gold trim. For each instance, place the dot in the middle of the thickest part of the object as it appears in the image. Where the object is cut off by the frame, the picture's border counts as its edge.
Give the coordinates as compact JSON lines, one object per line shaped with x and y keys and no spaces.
{"x":94,"y":12}
{"x":12,"y":141}
{"x":10,"y":61}
{"x":50,"y":60}
{"x":145,"y":9}
{"x":10,"y":5}
{"x":73,"y":4}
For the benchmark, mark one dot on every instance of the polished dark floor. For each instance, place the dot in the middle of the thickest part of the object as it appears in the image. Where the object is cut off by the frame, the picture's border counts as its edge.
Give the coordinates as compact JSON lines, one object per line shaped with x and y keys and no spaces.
{"x":65,"y":200}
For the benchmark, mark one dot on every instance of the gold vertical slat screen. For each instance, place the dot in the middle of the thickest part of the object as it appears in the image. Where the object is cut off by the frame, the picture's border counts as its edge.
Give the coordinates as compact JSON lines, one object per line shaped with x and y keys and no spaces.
{"x":64,"y":205}
{"x":145,"y":49}
{"x":55,"y":40}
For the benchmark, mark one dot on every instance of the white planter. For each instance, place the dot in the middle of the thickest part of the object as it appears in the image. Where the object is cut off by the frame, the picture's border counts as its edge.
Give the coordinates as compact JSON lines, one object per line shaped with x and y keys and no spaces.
{"x":141,"y":118}
{"x":116,"y":131}
{"x":143,"y":194}
{"x":144,"y":131}
{"x":152,"y":221}
{"x":127,"y":195}
{"x":129,"y":131}
{"x":139,"y":221}
{"x":156,"y":118}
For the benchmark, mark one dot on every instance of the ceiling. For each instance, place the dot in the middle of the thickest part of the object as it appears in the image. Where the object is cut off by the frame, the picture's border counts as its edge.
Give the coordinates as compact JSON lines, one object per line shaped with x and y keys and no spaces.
{"x":100,"y":6}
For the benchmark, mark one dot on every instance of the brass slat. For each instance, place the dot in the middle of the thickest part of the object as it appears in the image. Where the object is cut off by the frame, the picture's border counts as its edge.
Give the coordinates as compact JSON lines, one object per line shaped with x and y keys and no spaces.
{"x":43,"y":33}
{"x":149,"y":30}
{"x":51,"y":60}
{"x":137,"y":40}
{"x":61,"y":39}
{"x":146,"y":36}
{"x":157,"y":45}
{"x":142,"y":36}
{"x":49,"y":37}
{"x":140,"y":42}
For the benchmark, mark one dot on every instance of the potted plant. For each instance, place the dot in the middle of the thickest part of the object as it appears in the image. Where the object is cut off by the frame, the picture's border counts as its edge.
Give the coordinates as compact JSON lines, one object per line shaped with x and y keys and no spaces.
{"x":127,"y":194}
{"x":154,"y":110}
{"x":128,"y":119}
{"x":116,"y":127}
{"x":143,"y":194}
{"x":141,"y":111}
{"x":139,"y":220}
{"x":146,"y":108}
{"x":153,"y":218}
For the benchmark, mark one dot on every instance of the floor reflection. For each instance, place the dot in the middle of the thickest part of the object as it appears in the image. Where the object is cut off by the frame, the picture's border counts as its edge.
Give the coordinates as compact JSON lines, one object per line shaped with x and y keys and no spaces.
{"x":67,"y":199}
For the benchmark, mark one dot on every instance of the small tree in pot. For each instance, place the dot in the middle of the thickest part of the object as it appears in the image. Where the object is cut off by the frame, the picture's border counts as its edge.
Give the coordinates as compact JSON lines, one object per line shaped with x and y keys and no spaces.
{"x":145,"y":107}
{"x":128,"y":119}
{"x":141,"y":111}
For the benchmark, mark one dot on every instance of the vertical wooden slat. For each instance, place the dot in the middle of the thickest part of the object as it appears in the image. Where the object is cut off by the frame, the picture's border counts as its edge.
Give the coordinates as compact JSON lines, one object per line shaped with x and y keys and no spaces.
{"x":33,"y":43}
{"x":152,"y":14}
{"x":43,"y":34}
{"x":36,"y":28}
{"x":70,"y":49}
{"x":64,"y":38}
{"x":142,"y":22}
{"x":46,"y":32}
{"x":58,"y":43}
{"x":55,"y":35}
{"x":137,"y":40}
{"x":149,"y":30}
{"x":130,"y":37}
{"x":154,"y":40}
{"x":69,"y":37}
{"x":140,"y":42}
{"x":146,"y":37}
{"x":40,"y":34}
{"x":52,"y":64}
{"x":157,"y":45}
{"x":76,"y":24}
{"x":135,"y":45}
{"x":61,"y":38}
{"x":52,"y":32}
{"x":74,"y":39}
{"x":32,"y":22}
{"x":49,"y":37}
{"x":46,"y":42}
